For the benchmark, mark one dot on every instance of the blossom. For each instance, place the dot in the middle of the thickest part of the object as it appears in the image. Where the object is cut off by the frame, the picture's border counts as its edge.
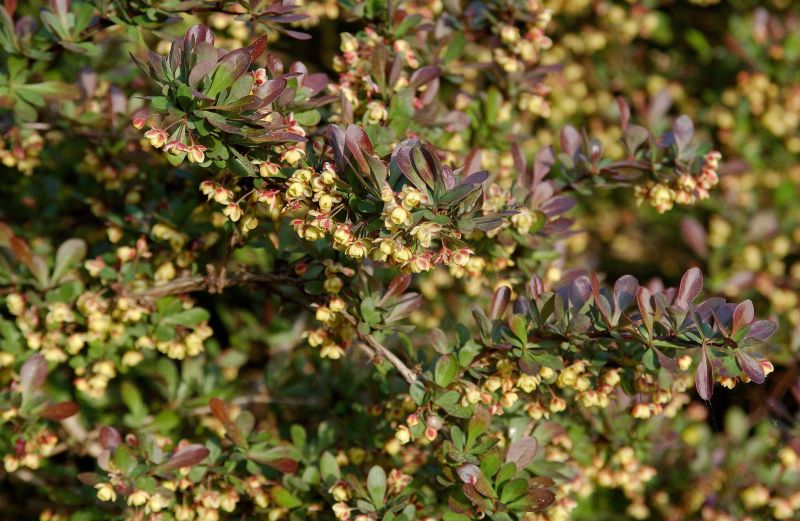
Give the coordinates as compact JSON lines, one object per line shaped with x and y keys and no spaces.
{"x":157,"y":137}
{"x":196,"y":153}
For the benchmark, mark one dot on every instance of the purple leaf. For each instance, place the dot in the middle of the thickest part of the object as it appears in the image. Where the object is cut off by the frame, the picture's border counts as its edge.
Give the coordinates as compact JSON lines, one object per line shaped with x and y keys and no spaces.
{"x":542,"y":164}
{"x":704,"y":377}
{"x":500,"y":300}
{"x":579,"y":291}
{"x":624,"y":292}
{"x":109,"y":438}
{"x":691,"y":284}
{"x":199,"y":33}
{"x":187,"y":457}
{"x":762,"y":329}
{"x":424,"y":75}
{"x":297,"y":35}
{"x":468,"y":473}
{"x":33,"y":374}
{"x":694,"y":235}
{"x":570,"y":141}
{"x":750,"y":367}
{"x":742,"y":315}
{"x":682,"y":131}
{"x":665,"y":361}
{"x":535,"y":286}
{"x":522,"y":451}
{"x":643,"y":301}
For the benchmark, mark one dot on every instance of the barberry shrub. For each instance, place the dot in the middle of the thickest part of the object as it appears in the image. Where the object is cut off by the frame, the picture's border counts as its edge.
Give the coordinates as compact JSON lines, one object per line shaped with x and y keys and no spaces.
{"x":261,"y":260}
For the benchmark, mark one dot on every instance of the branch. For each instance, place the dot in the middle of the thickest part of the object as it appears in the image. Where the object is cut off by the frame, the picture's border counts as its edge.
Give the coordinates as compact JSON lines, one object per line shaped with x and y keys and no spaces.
{"x":380,"y":349}
{"x":215,"y":284}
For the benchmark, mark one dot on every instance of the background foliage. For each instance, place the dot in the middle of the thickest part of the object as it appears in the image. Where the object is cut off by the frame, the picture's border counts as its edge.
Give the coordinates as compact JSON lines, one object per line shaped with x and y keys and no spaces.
{"x":404,"y":260}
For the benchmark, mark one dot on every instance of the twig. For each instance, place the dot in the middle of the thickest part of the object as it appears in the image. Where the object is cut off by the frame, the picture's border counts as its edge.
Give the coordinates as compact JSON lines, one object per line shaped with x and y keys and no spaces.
{"x":255,"y":399}
{"x":409,"y":375}
{"x":80,"y":435}
{"x":200,"y":283}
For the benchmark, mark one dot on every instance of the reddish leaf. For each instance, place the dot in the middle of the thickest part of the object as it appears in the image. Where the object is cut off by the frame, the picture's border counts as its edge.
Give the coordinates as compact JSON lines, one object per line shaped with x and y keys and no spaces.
{"x":220,"y":410}
{"x":742,"y":315}
{"x":257,"y":48}
{"x":59,"y":411}
{"x":624,"y":112}
{"x":187,"y":456}
{"x":704,"y":377}
{"x":538,"y":499}
{"x":397,"y":286}
{"x":541,"y":482}
{"x":285,"y":465}
{"x":643,"y":300}
{"x":109,"y":438}
{"x":358,"y":143}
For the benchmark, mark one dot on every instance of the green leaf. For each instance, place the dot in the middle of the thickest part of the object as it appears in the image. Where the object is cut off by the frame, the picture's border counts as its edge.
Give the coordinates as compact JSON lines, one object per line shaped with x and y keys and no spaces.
{"x":376,"y":485}
{"x":188,"y":318}
{"x":285,"y":499}
{"x":69,"y":254}
{"x":329,"y":468}
{"x":478,"y":424}
{"x":446,"y":370}
{"x":229,"y":69}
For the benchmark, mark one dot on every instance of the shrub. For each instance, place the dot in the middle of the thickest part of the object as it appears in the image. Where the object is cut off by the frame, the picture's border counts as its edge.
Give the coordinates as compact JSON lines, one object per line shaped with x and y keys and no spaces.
{"x":379,"y":261}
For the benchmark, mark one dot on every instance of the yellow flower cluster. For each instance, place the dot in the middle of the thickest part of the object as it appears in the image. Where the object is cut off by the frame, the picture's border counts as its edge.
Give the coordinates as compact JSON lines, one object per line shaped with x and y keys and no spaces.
{"x":30,"y":450}
{"x":21,"y":153}
{"x":686,"y":189}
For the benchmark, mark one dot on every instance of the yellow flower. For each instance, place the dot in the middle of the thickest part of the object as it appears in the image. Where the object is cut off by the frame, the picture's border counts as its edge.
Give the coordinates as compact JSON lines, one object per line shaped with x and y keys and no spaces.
{"x":105,"y":492}
{"x":233,"y":211}
{"x":138,"y":498}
